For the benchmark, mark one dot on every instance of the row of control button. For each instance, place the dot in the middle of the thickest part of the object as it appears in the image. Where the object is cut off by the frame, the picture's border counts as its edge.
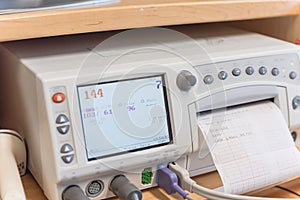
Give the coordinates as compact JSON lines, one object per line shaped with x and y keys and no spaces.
{"x":63,"y":129}
{"x":63,"y":124}
{"x":209,"y":79}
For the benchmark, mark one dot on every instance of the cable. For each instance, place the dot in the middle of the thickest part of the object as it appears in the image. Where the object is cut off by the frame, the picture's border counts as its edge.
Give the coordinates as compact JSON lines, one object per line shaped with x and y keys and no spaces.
{"x":135,"y":196}
{"x":187,"y":183}
{"x":168,"y":181}
{"x":124,"y":189}
{"x":74,"y":192}
{"x":288,"y":190}
{"x":189,"y":197}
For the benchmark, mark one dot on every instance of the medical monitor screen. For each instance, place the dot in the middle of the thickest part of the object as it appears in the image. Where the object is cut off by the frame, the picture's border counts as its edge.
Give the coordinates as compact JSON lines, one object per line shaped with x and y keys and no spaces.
{"x":124,"y":116}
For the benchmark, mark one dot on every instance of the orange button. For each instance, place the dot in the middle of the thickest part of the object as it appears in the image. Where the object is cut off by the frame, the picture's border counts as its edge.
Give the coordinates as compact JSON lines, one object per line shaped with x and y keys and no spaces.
{"x":58,"y":97}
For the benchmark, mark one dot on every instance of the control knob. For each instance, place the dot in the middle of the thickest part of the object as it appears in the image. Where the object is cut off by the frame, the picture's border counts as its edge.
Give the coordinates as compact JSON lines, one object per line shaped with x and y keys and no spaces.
{"x":185,"y":80}
{"x":296,"y":102}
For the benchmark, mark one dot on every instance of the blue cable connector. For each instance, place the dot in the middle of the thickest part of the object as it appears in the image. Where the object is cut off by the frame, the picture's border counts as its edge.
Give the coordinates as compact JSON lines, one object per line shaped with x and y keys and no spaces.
{"x":167,"y":180}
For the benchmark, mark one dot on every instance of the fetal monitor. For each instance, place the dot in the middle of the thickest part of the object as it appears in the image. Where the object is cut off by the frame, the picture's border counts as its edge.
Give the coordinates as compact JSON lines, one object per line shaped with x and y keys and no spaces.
{"x":91,"y":112}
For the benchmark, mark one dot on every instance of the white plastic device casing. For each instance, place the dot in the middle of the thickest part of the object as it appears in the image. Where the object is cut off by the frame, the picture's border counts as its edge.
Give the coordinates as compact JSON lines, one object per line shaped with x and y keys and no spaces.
{"x":37,"y":69}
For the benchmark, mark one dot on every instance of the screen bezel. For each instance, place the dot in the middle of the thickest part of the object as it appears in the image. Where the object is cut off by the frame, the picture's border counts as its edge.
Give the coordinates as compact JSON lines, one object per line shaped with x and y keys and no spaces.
{"x":167,"y":110}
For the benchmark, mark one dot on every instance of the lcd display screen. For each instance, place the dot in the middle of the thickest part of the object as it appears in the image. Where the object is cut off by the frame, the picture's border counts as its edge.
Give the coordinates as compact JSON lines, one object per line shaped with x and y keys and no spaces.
{"x":124,"y":116}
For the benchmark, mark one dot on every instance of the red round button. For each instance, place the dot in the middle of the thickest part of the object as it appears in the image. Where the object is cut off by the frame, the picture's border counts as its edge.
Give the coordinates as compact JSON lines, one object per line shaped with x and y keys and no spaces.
{"x":58,"y":97}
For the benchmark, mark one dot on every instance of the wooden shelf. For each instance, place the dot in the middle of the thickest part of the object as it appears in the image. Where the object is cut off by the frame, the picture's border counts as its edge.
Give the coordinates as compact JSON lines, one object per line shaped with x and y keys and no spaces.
{"x":139,"y":13}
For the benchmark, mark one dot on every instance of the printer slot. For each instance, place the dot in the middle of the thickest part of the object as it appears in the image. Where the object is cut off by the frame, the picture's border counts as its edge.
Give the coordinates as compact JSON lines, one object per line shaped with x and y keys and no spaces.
{"x":237,"y":96}
{"x":242,"y":104}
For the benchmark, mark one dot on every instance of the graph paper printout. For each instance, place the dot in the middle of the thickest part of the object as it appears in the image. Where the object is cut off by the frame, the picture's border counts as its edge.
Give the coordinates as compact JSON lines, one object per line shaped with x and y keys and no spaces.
{"x":251,"y":146}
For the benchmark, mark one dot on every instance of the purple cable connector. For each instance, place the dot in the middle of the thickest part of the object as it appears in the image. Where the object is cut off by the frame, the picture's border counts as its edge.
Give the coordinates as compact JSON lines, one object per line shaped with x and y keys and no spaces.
{"x":167,"y":180}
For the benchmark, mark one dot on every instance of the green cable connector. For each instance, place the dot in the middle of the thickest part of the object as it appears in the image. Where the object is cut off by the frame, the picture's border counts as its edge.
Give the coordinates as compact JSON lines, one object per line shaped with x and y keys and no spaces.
{"x":147,"y":175}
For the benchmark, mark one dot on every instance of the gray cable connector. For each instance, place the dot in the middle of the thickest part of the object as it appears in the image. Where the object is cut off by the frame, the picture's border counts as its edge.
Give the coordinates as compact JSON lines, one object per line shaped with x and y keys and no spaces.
{"x":125,"y":190}
{"x":74,"y":192}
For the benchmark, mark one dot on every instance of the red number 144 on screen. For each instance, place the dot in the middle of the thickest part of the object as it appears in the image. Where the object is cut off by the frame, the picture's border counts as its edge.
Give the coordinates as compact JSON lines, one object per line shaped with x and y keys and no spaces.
{"x":93,"y":94}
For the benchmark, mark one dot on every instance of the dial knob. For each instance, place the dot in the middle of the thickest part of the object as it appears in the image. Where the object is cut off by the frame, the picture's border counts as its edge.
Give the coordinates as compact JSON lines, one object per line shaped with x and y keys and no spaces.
{"x":296,"y":102}
{"x":185,"y":80}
